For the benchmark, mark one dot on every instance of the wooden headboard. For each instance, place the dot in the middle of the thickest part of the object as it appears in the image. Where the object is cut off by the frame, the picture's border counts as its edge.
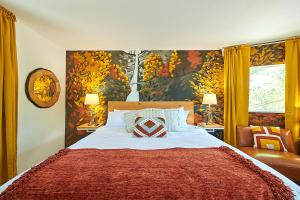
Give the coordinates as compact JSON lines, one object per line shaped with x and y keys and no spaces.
{"x":123,"y":105}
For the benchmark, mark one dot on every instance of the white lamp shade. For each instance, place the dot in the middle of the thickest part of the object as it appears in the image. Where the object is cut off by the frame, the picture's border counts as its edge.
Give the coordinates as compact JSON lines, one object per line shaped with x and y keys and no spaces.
{"x":91,"y":99}
{"x":210,"y":99}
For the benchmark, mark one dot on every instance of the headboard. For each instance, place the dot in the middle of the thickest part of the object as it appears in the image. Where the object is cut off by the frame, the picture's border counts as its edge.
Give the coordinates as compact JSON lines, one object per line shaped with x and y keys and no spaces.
{"x":123,"y":105}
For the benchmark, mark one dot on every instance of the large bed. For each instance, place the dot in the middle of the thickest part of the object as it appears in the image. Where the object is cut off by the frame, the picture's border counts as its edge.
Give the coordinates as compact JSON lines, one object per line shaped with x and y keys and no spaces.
{"x":191,"y":138}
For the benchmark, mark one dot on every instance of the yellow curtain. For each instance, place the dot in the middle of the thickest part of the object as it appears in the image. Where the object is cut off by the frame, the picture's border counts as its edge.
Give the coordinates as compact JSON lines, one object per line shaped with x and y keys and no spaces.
{"x":236,"y":90}
{"x":292,"y":87}
{"x":8,"y":96}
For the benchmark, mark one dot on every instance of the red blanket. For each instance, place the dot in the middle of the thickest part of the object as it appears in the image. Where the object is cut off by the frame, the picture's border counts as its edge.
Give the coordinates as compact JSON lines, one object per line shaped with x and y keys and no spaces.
{"x":211,"y":173}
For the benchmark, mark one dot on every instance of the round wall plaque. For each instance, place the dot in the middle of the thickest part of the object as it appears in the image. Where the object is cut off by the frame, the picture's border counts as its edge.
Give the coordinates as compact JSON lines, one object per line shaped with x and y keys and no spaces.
{"x":42,"y":88}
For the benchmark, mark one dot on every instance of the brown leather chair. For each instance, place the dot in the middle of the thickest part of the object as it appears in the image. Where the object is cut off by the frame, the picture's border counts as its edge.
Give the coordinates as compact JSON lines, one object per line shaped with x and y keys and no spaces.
{"x":287,"y":163}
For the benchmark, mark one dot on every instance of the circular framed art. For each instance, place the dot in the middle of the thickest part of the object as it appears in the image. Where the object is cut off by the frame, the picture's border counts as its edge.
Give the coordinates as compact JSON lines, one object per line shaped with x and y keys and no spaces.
{"x":42,"y":88}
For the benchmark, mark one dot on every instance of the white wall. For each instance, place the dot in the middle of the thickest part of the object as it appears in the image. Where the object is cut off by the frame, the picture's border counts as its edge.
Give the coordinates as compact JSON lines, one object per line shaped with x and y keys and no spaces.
{"x":40,"y":130}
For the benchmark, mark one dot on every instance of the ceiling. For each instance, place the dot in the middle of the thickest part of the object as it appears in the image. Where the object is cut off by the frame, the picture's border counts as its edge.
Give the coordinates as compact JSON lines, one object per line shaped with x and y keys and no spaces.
{"x":158,"y":24}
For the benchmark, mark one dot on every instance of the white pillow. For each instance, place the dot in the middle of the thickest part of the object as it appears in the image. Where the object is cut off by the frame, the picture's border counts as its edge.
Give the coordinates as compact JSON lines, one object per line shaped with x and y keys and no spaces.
{"x":183,"y":120}
{"x":129,"y":117}
{"x":183,"y":117}
{"x":115,"y":119}
{"x":172,"y":119}
{"x":175,"y":118}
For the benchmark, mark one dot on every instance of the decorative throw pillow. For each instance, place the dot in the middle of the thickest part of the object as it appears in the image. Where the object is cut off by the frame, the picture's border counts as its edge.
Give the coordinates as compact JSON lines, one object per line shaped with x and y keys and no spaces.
{"x":149,"y":127}
{"x":131,"y":116}
{"x":267,"y":138}
{"x":261,"y":130}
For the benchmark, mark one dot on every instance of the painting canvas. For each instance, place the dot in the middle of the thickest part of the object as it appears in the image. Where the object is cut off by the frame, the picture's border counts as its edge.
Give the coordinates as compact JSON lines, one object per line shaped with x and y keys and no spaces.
{"x":42,"y":88}
{"x":140,"y":75}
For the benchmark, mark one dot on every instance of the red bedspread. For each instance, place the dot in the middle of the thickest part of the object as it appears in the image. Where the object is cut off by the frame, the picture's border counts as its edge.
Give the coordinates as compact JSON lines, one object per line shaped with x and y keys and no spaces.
{"x":211,"y":173}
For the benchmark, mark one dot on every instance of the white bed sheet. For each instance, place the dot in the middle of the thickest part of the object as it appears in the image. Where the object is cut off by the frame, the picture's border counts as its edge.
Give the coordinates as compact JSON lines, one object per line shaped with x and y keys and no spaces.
{"x":190,"y":137}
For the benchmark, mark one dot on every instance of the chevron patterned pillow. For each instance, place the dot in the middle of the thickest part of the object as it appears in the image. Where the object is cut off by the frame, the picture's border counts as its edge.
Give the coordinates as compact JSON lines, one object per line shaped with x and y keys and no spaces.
{"x":149,"y":127}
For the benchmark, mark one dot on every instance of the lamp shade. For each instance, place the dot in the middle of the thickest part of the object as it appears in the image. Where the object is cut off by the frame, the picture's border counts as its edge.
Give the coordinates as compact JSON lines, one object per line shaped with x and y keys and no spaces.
{"x":91,"y":99}
{"x":210,"y":99}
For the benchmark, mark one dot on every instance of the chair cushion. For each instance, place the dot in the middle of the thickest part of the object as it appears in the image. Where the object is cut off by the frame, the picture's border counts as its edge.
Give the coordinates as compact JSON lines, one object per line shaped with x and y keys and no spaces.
{"x":285,"y":162}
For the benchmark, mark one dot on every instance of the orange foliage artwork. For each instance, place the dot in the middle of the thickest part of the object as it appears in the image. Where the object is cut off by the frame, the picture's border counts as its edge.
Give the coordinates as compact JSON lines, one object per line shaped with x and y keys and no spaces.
{"x":42,"y":88}
{"x":184,"y":75}
{"x":160,"y":75}
{"x":92,"y":72}
{"x":269,"y":54}
{"x":166,"y":75}
{"x":267,"y":119}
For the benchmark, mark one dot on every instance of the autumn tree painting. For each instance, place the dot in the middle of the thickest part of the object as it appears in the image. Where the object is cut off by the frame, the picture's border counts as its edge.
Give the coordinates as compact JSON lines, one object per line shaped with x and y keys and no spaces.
{"x":210,"y":79}
{"x":163,"y":75}
{"x":183,"y":75}
{"x":92,"y":72}
{"x":160,"y":75}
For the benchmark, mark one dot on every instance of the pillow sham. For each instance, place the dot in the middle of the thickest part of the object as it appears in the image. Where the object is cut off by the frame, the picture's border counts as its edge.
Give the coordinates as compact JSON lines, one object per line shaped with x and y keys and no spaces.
{"x":183,"y":117}
{"x":172,"y":119}
{"x":149,"y":127}
{"x":175,"y":118}
{"x":267,"y":137}
{"x":115,"y":119}
{"x":131,"y":116}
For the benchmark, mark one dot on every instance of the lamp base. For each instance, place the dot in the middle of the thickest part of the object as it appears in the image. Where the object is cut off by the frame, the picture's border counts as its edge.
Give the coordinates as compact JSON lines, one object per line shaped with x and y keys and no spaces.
{"x":92,"y":122}
{"x":209,"y":116}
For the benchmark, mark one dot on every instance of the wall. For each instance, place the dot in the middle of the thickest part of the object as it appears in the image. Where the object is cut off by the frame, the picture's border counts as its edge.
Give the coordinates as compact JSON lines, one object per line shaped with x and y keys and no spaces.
{"x":166,"y":75}
{"x":40,"y":131}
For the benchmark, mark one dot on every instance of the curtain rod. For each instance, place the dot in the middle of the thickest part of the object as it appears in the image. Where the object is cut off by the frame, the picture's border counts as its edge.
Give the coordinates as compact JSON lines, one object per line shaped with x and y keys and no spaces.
{"x":273,"y":42}
{"x":265,"y":43}
{"x":270,"y":42}
{"x":7,"y":13}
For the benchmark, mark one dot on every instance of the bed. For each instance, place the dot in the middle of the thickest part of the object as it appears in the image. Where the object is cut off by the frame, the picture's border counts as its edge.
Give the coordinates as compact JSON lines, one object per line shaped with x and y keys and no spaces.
{"x":115,"y":141}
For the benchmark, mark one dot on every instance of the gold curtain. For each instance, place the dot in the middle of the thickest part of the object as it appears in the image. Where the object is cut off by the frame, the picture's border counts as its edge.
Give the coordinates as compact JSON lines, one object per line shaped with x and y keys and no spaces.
{"x":292,"y":87}
{"x":8,"y":96}
{"x":236,"y":90}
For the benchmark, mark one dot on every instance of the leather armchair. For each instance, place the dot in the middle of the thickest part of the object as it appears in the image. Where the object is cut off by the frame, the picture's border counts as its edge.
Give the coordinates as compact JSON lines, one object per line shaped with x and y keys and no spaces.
{"x":287,"y":163}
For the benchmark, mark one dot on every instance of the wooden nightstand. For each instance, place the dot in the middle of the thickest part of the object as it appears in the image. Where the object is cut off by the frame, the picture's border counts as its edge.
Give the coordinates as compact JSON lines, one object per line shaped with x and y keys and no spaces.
{"x":88,"y":128}
{"x":216,"y":130}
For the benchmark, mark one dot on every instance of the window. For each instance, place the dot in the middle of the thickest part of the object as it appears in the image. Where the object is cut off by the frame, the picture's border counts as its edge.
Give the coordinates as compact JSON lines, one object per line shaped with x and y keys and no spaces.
{"x":267,"y":93}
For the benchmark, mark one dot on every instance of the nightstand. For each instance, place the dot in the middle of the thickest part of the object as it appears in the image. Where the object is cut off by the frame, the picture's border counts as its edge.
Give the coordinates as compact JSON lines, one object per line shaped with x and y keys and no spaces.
{"x":87,"y":128}
{"x":216,"y":130}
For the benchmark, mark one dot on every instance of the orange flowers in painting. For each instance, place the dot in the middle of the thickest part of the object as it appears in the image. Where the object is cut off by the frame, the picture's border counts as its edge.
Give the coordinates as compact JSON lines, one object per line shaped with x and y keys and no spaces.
{"x":194,"y":57}
{"x":155,"y":67}
{"x":89,"y":72}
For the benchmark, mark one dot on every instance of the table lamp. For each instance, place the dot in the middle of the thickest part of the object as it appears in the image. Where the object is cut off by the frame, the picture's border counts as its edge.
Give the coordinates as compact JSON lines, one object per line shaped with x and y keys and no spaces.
{"x":209,"y":99}
{"x":91,"y":100}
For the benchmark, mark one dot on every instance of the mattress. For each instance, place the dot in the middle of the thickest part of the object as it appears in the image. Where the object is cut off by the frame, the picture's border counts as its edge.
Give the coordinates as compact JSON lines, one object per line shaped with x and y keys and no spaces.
{"x":190,"y":137}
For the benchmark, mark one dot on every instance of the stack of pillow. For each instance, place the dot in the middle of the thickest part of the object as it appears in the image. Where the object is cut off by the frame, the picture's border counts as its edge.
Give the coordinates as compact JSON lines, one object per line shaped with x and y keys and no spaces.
{"x":150,"y":122}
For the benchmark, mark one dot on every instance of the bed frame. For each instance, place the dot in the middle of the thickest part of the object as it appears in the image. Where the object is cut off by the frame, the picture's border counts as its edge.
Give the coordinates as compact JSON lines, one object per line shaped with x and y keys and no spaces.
{"x":132,"y":105}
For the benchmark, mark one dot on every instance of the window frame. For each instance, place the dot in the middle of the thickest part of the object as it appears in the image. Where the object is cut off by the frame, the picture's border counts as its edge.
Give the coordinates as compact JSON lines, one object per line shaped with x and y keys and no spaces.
{"x":265,"y":66}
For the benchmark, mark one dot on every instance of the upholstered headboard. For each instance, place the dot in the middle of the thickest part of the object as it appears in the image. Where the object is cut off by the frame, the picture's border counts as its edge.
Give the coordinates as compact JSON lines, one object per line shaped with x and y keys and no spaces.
{"x":123,"y":105}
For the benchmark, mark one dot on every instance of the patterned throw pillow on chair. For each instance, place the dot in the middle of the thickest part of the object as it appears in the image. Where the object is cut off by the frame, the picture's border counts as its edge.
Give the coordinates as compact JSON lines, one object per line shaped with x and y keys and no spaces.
{"x":267,"y":137}
{"x":149,"y":127}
